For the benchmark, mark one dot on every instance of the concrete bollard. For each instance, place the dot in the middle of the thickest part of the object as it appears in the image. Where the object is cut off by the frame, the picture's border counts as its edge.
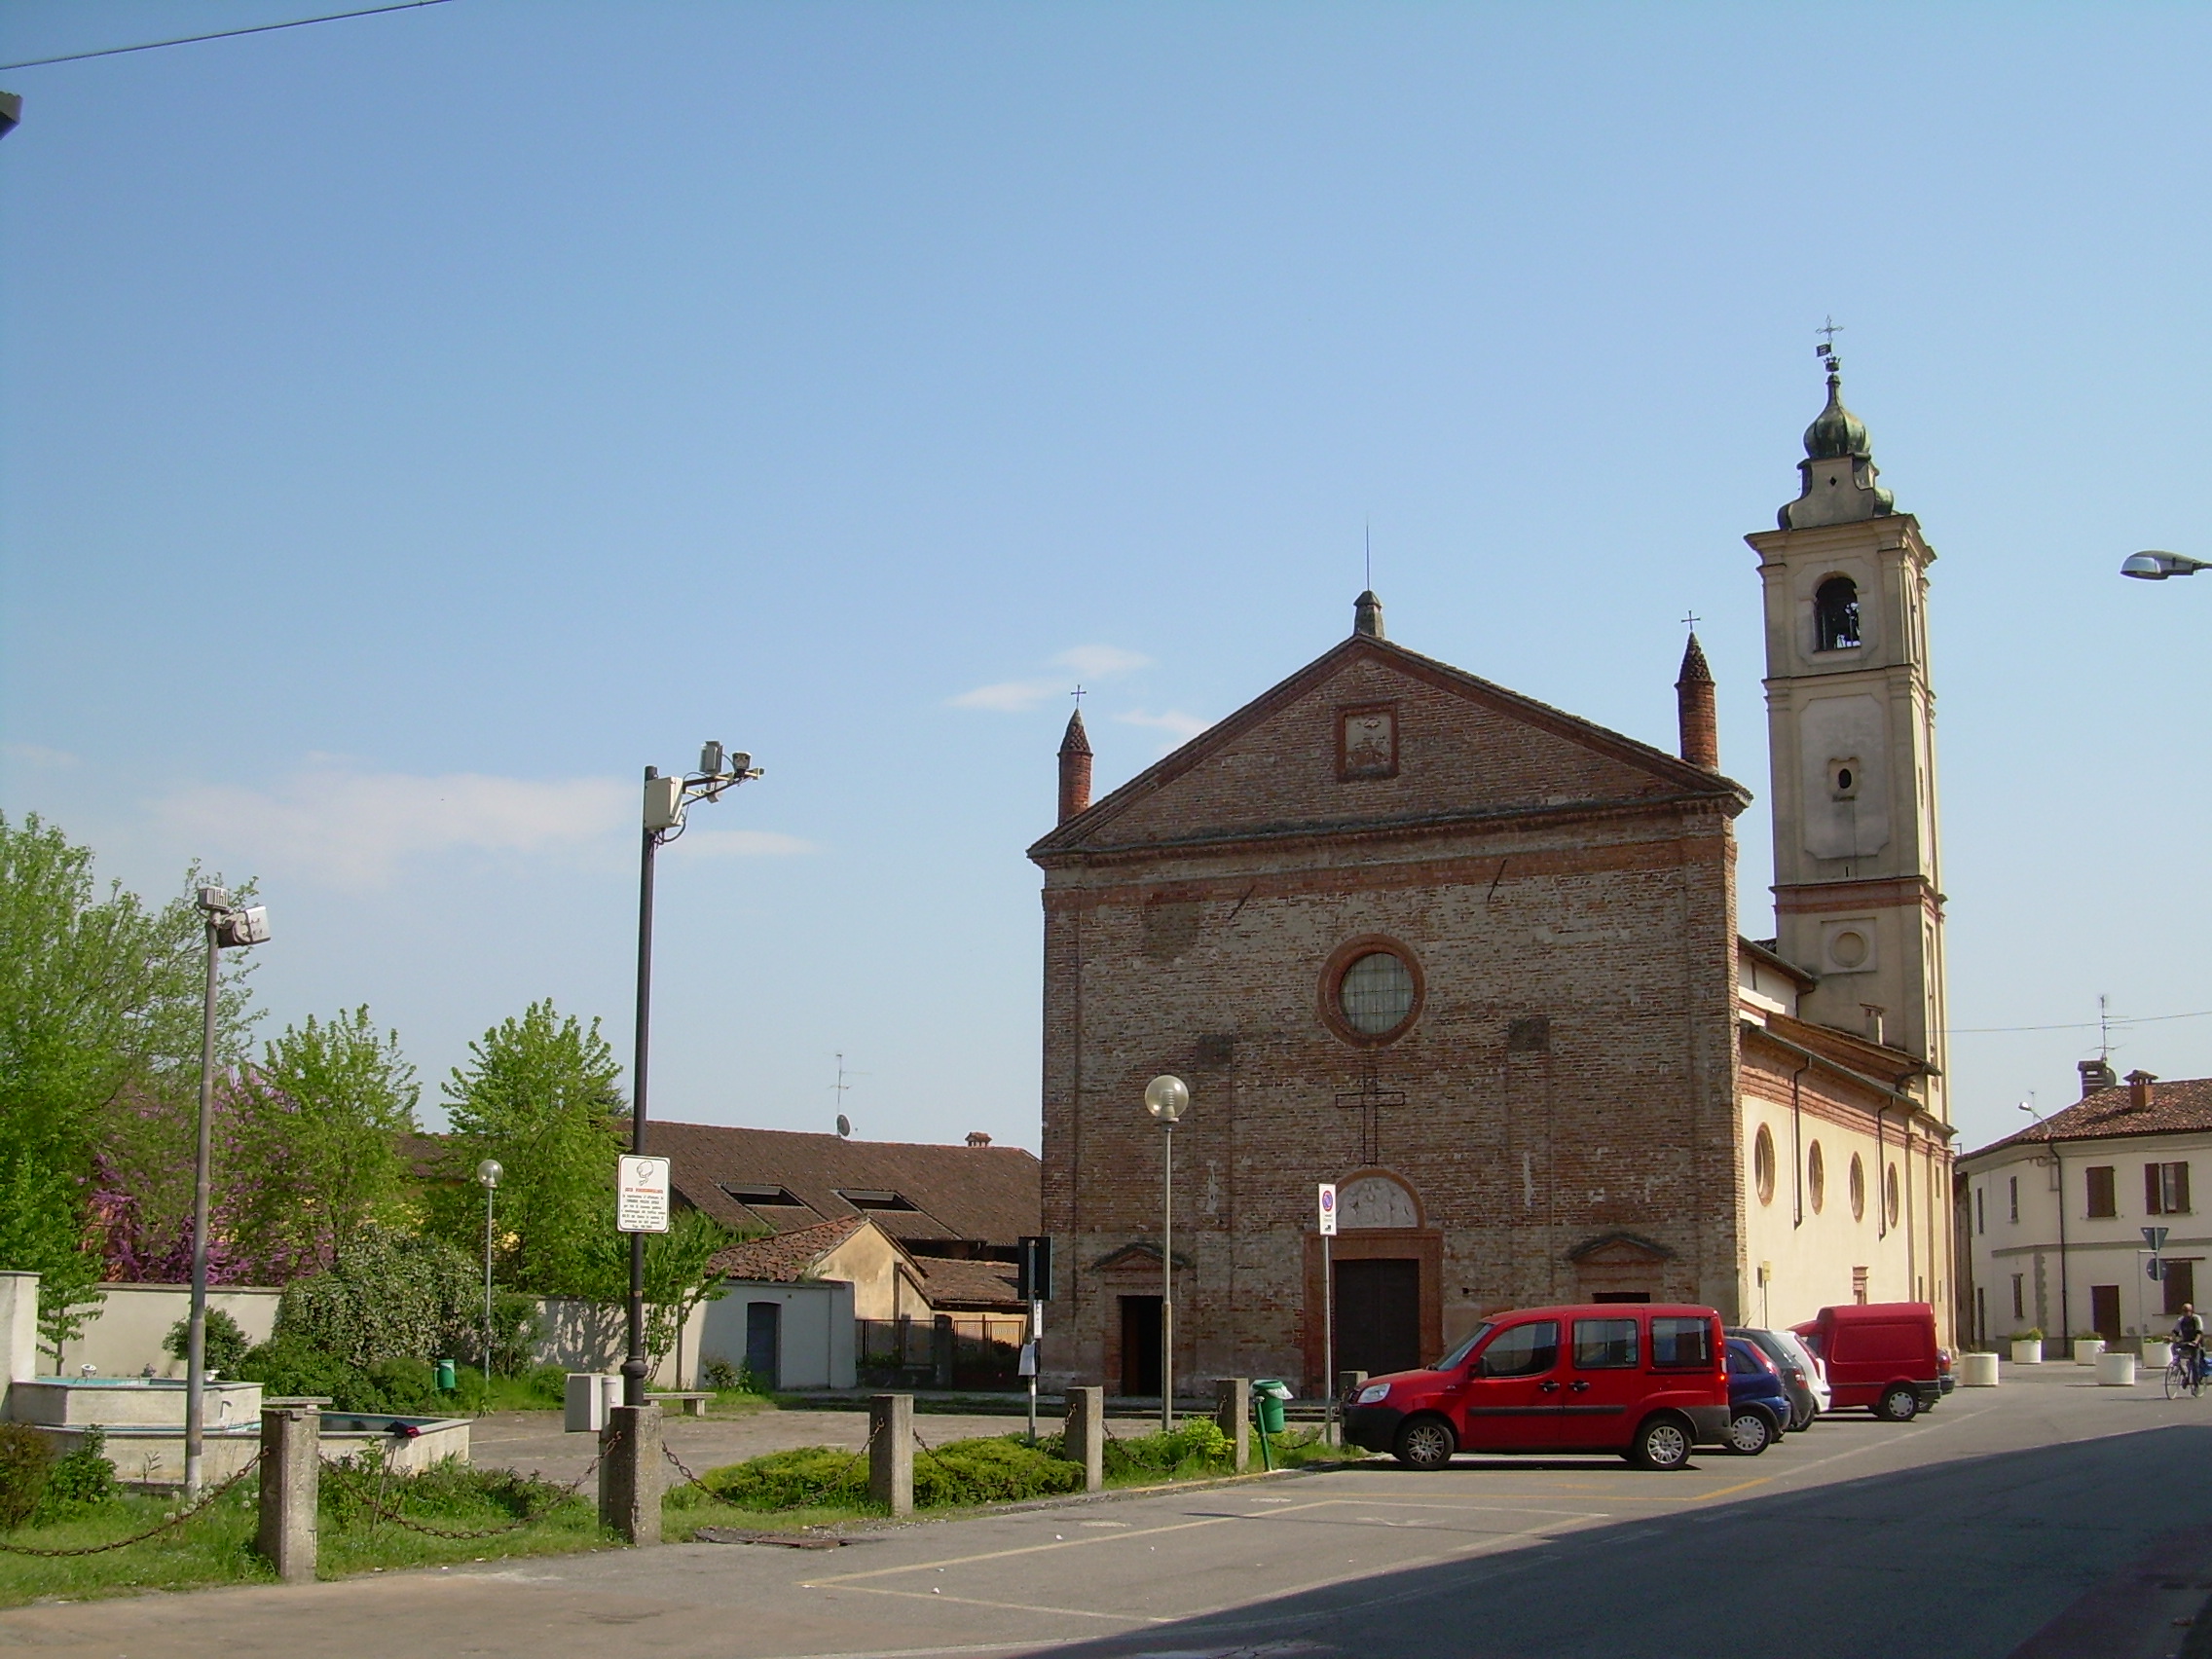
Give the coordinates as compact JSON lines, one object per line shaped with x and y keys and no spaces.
{"x":1232,"y":1411}
{"x":1086,"y":1435}
{"x":891,"y":1452}
{"x":630,"y":1474}
{"x":291,"y":1480}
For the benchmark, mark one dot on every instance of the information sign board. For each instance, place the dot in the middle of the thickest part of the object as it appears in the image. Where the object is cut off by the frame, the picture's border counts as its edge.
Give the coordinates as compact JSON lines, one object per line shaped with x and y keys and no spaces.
{"x":641,"y":1202}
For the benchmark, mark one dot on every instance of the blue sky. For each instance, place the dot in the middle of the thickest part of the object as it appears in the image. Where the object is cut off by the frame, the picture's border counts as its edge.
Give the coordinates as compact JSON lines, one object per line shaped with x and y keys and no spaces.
{"x":415,"y":425}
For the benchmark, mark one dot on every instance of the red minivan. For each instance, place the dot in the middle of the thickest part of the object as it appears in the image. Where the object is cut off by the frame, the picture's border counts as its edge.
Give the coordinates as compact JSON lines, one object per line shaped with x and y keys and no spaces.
{"x":1647,"y":1381}
{"x":1878,"y":1354}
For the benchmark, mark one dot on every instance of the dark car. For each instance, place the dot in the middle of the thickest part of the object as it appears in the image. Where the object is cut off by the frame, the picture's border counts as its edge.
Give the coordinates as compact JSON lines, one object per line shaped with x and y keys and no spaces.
{"x":1804,"y":1403}
{"x":1759,"y":1404}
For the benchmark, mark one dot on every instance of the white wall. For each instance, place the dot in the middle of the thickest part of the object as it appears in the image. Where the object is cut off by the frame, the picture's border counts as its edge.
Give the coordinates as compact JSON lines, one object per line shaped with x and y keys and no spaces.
{"x":817,"y":1331}
{"x":2099,"y":1250}
{"x":593,"y":1336}
{"x":124,"y":1334}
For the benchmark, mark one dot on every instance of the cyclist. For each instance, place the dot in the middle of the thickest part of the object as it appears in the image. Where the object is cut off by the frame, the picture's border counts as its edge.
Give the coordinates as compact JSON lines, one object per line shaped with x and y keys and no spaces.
{"x":2188,"y":1340}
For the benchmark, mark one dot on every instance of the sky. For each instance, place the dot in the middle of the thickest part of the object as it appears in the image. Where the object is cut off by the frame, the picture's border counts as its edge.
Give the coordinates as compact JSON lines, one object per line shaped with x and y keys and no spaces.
{"x":417,"y":424}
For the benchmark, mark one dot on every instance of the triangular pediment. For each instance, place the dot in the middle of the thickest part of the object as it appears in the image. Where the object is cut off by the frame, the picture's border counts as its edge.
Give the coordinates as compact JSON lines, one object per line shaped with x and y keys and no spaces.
{"x":1374,"y":736}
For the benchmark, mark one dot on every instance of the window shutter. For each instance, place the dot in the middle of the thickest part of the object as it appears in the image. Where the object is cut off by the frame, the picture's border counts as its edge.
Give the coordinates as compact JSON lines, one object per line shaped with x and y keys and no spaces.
{"x":2180,"y":1194}
{"x":2153,"y":1191}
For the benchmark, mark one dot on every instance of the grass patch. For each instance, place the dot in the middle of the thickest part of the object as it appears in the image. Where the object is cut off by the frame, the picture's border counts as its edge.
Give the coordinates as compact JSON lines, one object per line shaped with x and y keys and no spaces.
{"x":216,"y":1545}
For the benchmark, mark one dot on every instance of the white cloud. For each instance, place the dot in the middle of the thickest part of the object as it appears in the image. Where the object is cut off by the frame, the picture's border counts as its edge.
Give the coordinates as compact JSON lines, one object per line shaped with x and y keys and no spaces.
{"x":745,"y":844}
{"x":38,"y":755}
{"x":1011,"y":696}
{"x":1101,"y":662}
{"x":355,"y":828}
{"x":1020,"y":696}
{"x":1184,"y":726}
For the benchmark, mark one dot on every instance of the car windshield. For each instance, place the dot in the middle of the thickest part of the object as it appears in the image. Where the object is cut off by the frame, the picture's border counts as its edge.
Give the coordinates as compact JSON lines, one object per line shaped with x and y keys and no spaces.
{"x":1464,"y":1349}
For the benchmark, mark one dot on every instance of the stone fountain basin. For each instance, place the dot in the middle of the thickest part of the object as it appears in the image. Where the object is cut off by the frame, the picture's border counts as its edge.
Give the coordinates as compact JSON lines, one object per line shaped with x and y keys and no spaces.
{"x":128,"y":1402}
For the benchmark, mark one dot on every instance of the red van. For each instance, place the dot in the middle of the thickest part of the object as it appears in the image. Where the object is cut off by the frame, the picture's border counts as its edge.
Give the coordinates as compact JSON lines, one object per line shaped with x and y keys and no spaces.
{"x":1647,"y":1381}
{"x":1878,"y":1354}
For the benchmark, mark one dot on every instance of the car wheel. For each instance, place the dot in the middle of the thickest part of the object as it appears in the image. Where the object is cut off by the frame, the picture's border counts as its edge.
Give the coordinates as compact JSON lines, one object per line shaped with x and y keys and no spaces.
{"x":1424,"y":1443}
{"x":1899,"y":1404}
{"x":1662,"y":1443}
{"x":1802,"y":1418}
{"x":1750,"y":1433}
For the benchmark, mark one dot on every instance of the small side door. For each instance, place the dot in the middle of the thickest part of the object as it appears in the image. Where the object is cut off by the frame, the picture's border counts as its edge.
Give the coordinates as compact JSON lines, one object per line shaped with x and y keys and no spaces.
{"x":1604,"y":1382}
{"x":1510,"y":1398}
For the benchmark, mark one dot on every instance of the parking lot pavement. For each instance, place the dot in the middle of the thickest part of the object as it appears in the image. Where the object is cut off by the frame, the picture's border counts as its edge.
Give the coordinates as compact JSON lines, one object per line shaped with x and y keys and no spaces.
{"x":1962,"y":1535}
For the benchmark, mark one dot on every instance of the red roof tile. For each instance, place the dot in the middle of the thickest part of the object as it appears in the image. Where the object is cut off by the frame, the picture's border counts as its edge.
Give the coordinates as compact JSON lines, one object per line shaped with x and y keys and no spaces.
{"x":783,"y":1258}
{"x":2179,"y":1105}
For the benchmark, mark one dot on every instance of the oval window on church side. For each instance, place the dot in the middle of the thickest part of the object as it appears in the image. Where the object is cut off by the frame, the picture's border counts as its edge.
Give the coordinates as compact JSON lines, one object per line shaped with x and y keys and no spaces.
{"x":1816,"y":1177}
{"x":1858,"y":1189}
{"x":1762,"y":1165}
{"x":1376,"y":994}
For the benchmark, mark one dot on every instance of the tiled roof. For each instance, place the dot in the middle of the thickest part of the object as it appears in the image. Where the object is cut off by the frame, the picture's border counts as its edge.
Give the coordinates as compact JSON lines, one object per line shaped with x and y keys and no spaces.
{"x":782,"y":1258}
{"x":952,"y":1282}
{"x":2179,"y":1105}
{"x":989,"y":1195}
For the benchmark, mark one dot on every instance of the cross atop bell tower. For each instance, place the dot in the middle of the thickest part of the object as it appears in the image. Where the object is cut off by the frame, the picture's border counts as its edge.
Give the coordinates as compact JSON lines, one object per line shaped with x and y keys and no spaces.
{"x":1851,"y":730}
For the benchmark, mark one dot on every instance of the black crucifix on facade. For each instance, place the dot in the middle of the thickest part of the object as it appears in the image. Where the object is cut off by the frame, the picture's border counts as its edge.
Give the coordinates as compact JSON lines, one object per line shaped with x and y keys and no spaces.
{"x":1369,"y":1100}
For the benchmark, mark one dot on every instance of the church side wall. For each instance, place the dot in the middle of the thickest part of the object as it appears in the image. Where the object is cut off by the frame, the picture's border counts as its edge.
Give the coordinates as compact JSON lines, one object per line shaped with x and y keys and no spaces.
{"x":1571,"y":1079}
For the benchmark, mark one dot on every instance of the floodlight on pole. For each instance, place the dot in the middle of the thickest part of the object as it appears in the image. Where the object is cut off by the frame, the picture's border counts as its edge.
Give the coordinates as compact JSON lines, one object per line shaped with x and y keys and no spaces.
{"x":1168,"y":1098}
{"x":228,"y":926}
{"x":2152,"y":565}
{"x":488,"y":1173}
{"x":666,"y":801}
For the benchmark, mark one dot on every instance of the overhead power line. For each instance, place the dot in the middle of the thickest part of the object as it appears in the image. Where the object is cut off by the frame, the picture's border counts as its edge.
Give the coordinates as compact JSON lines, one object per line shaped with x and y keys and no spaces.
{"x":2117,"y":1020}
{"x":221,"y":34}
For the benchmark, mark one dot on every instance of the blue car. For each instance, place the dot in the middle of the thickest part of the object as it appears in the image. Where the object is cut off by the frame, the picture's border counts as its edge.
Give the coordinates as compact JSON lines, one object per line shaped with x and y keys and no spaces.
{"x":1759,"y":1401}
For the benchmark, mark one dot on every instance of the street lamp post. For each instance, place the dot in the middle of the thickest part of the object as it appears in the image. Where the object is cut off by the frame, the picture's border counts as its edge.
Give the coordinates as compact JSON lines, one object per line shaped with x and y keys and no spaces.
{"x":488,"y":1173}
{"x":665,"y":801}
{"x":1166,"y":1098}
{"x":229,"y":926}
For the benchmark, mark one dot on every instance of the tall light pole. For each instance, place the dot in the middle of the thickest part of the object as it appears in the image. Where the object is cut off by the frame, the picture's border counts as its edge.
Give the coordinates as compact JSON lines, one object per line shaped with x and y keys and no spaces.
{"x":1166,"y":1098}
{"x":665,"y":801}
{"x":488,"y":1173}
{"x":227,"y":927}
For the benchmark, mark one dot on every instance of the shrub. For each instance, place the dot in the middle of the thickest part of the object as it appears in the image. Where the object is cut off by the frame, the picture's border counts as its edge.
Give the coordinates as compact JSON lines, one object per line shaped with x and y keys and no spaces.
{"x":1197,"y":1448}
{"x":391,"y":1296}
{"x":224,"y":1346}
{"x":287,"y":1365}
{"x":449,"y":1490}
{"x":26,"y":1463}
{"x":83,"y":1480}
{"x":740,"y":1379}
{"x":999,"y":1469}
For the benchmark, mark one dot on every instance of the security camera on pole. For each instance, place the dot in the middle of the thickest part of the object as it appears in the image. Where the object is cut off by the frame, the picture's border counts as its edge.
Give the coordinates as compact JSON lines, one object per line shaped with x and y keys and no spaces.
{"x":230,"y":927}
{"x":629,"y":1499}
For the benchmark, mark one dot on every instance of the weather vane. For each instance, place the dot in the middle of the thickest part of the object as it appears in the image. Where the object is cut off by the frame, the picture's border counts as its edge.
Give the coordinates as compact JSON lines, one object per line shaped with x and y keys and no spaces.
{"x":1826,"y":349}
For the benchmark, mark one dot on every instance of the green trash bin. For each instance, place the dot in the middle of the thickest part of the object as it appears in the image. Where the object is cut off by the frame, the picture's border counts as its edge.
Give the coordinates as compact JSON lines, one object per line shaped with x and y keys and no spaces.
{"x":1268,"y":1395}
{"x":447,"y":1381}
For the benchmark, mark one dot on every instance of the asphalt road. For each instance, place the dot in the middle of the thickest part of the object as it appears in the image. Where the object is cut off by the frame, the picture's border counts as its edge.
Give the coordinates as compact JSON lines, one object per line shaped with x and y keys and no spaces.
{"x":1962,"y":1535}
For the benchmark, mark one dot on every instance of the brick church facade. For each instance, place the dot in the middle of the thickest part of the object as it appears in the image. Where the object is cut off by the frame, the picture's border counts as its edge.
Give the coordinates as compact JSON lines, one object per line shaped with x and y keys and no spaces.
{"x":1476,"y":961}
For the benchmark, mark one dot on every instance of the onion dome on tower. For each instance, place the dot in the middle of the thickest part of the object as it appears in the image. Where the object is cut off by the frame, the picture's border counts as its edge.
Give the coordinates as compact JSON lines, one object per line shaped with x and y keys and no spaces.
{"x":1839,"y":469}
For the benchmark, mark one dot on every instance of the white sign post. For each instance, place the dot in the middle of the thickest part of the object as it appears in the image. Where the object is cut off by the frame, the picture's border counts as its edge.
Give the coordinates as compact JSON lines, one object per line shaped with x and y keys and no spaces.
{"x":641,"y":1202}
{"x":1326,"y":1202}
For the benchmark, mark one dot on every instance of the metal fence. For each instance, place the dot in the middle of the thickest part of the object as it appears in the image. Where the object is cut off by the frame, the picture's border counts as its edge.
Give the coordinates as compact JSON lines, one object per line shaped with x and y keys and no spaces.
{"x":951,"y":1350}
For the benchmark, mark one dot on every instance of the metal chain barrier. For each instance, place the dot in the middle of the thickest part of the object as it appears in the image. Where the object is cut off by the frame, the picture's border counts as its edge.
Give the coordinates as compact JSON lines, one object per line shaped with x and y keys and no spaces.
{"x":167,"y":1523}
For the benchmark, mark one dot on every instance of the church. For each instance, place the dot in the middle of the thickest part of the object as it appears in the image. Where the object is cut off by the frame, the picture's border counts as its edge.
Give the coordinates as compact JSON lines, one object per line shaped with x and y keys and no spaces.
{"x":1475,"y":960}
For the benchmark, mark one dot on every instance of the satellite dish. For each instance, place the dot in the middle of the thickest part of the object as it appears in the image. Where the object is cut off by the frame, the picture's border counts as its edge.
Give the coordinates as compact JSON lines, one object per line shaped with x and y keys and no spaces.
{"x":844,"y":1127}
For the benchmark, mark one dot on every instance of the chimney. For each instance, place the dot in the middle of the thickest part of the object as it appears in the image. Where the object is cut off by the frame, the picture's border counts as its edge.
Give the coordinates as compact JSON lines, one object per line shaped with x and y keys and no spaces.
{"x":1873,"y":1021}
{"x":2095,"y":1075}
{"x":977,"y":1137}
{"x":1693,"y":704}
{"x":1075,"y":768}
{"x":2139,"y":1084}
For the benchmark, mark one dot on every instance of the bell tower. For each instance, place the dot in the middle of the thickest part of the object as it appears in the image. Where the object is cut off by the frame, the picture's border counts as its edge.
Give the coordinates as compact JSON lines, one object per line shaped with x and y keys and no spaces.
{"x":1851,"y":729}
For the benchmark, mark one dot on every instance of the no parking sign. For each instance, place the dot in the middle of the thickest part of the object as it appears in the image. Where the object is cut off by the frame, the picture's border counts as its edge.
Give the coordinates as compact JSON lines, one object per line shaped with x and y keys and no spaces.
{"x":1328,"y":1209}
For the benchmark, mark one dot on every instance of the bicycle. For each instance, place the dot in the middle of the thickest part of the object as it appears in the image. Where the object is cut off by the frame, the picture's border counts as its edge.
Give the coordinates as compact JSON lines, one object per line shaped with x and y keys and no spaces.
{"x":2184,"y":1372}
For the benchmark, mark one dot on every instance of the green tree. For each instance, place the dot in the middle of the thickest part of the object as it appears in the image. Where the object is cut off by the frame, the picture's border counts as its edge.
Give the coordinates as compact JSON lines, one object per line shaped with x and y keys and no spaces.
{"x":539,"y":1094}
{"x":99,"y":998}
{"x":322,"y":1121}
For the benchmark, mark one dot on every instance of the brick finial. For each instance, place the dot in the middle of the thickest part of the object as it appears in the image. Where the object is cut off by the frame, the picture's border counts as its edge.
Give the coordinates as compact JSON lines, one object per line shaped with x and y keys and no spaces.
{"x":1075,"y":768}
{"x":1694,"y":704}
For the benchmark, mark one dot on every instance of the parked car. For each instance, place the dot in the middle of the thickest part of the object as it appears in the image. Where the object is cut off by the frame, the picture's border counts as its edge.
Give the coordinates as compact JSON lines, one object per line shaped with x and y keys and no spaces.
{"x":1758,"y":1402}
{"x":1881,"y":1355}
{"x":1799,"y":1371}
{"x":1647,"y":1380}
